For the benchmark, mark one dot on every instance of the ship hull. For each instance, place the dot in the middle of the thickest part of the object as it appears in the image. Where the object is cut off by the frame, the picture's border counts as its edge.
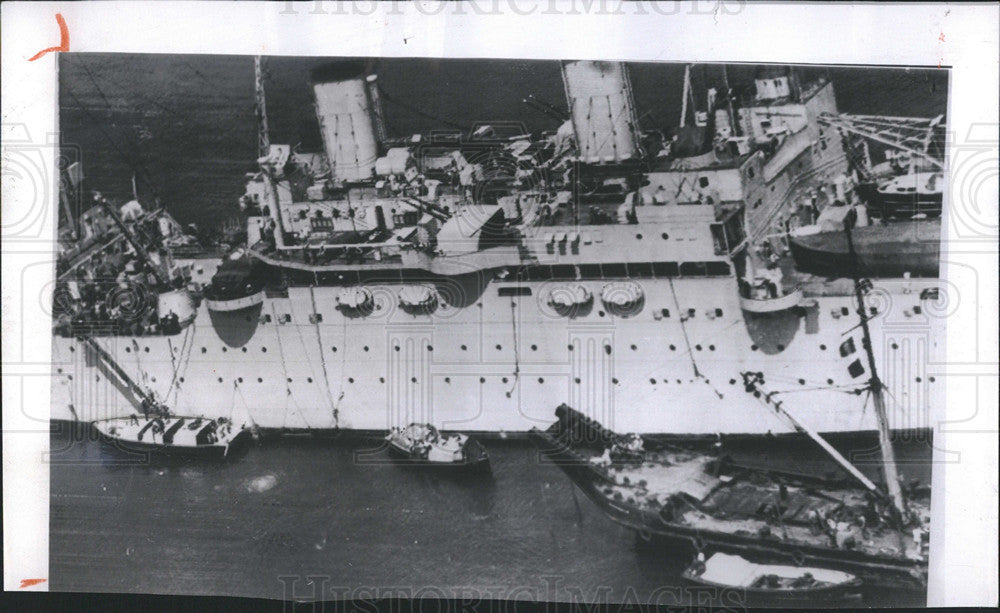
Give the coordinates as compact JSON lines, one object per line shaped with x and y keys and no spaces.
{"x":892,"y":249}
{"x":883,"y":571}
{"x":493,"y":360}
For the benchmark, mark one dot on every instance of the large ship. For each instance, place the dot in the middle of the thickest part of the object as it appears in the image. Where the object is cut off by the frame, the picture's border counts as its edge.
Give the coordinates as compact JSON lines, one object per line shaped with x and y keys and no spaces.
{"x":475,"y":282}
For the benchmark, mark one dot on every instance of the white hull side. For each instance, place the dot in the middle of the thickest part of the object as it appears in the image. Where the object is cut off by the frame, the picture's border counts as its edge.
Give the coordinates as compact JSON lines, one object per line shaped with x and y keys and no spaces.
{"x":271,"y":374}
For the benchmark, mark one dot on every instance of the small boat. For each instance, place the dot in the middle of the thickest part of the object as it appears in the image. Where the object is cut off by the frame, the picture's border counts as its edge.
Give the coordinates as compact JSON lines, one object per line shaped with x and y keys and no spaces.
{"x":772,"y":582}
{"x":910,"y":194}
{"x":423,"y":444}
{"x":173,"y":435}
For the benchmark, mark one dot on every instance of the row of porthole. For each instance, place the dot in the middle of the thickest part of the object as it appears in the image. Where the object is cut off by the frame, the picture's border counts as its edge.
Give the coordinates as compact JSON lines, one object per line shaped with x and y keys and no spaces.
{"x":607,"y":348}
{"x":483,"y":379}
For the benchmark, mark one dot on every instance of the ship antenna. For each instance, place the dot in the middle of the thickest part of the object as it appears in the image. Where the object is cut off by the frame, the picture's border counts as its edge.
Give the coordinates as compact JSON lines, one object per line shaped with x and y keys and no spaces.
{"x":874,"y":383}
{"x":260,"y":104}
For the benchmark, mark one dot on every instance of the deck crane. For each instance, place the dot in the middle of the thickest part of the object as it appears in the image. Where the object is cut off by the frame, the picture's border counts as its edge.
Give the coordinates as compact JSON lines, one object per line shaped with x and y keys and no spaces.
{"x":913,"y":135}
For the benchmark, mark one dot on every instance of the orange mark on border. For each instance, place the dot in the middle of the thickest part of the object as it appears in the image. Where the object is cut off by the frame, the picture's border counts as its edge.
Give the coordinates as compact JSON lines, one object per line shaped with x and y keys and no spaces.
{"x":30,"y":582}
{"x":941,"y":38}
{"x":63,"y":46}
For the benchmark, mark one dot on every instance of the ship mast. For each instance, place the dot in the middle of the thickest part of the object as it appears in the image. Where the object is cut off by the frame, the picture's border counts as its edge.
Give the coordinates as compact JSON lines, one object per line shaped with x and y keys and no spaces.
{"x":874,"y":383}
{"x":260,"y":105}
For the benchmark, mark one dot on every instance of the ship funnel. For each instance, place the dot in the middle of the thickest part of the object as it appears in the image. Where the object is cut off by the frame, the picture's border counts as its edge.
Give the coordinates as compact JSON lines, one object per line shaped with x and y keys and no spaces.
{"x":599,"y":95}
{"x":346,"y":121}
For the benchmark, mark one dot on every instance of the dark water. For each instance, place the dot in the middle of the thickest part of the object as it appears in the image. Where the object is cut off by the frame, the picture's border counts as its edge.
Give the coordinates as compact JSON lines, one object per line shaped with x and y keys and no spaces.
{"x":184,"y":124}
{"x":359,"y":526}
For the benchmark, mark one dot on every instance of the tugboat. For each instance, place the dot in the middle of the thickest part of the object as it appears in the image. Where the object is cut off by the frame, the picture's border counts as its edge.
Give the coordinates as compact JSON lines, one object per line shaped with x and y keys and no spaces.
{"x":172,"y":435}
{"x":423,"y":444}
{"x":772,"y":583}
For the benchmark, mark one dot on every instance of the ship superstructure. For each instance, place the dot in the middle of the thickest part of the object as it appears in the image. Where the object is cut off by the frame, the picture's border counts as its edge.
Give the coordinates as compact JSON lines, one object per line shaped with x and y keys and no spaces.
{"x":473,"y":283}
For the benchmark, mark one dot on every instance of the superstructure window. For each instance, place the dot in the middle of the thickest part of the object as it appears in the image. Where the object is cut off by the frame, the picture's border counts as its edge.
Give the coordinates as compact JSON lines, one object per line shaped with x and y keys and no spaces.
{"x":640,"y":270}
{"x":664,"y":270}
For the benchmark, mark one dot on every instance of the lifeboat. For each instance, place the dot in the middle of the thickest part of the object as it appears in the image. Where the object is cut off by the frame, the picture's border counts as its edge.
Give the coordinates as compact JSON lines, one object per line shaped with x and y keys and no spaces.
{"x":568,"y":296}
{"x":356,"y":299}
{"x":417,"y":296}
{"x":423,"y":444}
{"x":622,"y":297}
